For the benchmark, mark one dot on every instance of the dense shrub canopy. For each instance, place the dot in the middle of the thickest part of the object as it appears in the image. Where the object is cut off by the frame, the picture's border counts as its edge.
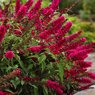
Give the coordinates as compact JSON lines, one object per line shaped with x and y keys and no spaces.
{"x":37,"y":54}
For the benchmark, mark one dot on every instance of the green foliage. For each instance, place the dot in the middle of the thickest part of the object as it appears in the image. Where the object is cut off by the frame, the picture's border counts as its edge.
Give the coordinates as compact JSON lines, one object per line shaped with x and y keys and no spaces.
{"x":86,"y":8}
{"x":66,"y":3}
{"x":88,"y":28}
{"x":45,"y":3}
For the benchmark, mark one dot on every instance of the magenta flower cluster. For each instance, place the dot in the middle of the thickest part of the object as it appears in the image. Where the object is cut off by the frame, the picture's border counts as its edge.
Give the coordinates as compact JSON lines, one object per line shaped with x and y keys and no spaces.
{"x":46,"y":30}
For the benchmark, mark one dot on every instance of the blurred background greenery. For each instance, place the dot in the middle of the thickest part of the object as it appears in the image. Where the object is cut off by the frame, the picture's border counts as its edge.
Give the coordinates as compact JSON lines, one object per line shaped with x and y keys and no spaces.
{"x":82,"y":15}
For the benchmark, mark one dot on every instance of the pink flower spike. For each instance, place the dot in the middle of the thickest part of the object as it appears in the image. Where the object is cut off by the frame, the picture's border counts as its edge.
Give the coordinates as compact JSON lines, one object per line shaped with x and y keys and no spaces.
{"x":17,"y":32}
{"x":84,"y":87}
{"x":44,"y":34}
{"x":29,"y":3}
{"x":36,"y":49}
{"x":83,"y":39}
{"x":84,"y":80}
{"x":55,"y":4}
{"x":37,"y":6}
{"x":66,"y":28}
{"x":22,"y":12}
{"x":83,"y":64}
{"x":9,"y":54}
{"x":47,"y":11}
{"x":18,"y":5}
{"x":0,"y":13}
{"x":91,"y":75}
{"x":61,"y":19}
{"x":55,"y":85}
{"x":4,"y":93}
{"x":2,"y":33}
{"x":73,"y":36}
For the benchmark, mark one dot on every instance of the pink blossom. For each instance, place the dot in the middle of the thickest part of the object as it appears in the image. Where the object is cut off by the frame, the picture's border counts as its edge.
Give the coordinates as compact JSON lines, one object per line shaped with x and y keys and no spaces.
{"x":30,"y":79}
{"x":65,"y":29}
{"x":21,"y":12}
{"x":47,"y":11}
{"x":70,"y":46}
{"x":54,"y":85}
{"x":79,"y":55}
{"x":54,"y":48}
{"x":44,"y":34}
{"x":4,"y":93}
{"x":2,"y":32}
{"x":83,"y":39}
{"x":29,"y":3}
{"x":73,"y":72}
{"x":55,"y":4}
{"x":73,"y":36}
{"x":33,"y":32}
{"x":18,"y":5}
{"x":84,"y":87}
{"x":0,"y":13}
{"x":8,"y":26}
{"x":83,"y":64}
{"x":33,"y":12}
{"x":86,"y":46}
{"x":60,"y":19}
{"x":36,"y":49}
{"x":84,"y":80}
{"x":17,"y":32}
{"x":9,"y":54}
{"x":27,"y":79}
{"x":37,"y":6}
{"x":38,"y":24}
{"x":91,"y":75}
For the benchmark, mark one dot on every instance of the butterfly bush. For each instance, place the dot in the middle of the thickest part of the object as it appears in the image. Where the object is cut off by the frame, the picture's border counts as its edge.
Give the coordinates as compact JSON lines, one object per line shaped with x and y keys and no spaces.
{"x":38,"y":55}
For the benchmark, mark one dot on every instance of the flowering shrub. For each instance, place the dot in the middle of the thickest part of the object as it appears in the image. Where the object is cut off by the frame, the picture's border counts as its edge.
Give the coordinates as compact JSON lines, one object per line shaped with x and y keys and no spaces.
{"x":37,"y":56}
{"x":9,"y":54}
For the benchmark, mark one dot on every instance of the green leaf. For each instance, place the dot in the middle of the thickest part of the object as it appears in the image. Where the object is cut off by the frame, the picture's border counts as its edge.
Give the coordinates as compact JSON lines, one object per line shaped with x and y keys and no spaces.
{"x":42,"y":58}
{"x":20,"y":62}
{"x":8,"y":90}
{"x":45,"y":91}
{"x":15,"y":82}
{"x":43,"y":65}
{"x":53,"y":56}
{"x":35,"y":90}
{"x":30,"y":66}
{"x":9,"y":68}
{"x":16,"y":66}
{"x":68,"y":66}
{"x":22,"y":65}
{"x":23,"y":1}
{"x":22,"y":82}
{"x":61,"y":71}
